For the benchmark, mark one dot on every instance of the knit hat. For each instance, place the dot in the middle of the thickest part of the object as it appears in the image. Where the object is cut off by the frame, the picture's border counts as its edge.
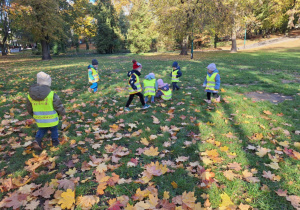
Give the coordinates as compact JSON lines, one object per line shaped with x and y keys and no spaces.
{"x":161,"y":83}
{"x":136,"y":65}
{"x":94,"y":62}
{"x":175,"y":64}
{"x":152,"y":75}
{"x":211,"y":67}
{"x":43,"y":79}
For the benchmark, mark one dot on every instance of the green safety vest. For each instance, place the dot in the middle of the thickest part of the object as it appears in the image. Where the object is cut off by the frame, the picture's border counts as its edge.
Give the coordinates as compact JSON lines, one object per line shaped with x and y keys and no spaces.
{"x":149,"y":87}
{"x":137,"y":84}
{"x":43,"y":112}
{"x":167,"y":95}
{"x":174,"y":74}
{"x":95,"y":75}
{"x":211,"y":82}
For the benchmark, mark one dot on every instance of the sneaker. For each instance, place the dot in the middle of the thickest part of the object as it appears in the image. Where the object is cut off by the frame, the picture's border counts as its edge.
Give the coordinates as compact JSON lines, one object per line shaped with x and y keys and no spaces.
{"x":146,"y":106}
{"x":37,"y":146}
{"x":90,"y":90}
{"x":55,"y":143}
{"x":126,"y":109}
{"x":218,"y":100}
{"x":207,"y":101}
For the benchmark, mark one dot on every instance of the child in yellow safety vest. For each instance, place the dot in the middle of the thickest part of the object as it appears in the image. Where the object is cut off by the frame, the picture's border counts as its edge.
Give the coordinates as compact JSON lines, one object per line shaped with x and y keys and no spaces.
{"x":175,"y":74}
{"x":163,"y":90}
{"x":212,"y":83}
{"x":45,"y":107}
{"x":150,"y":87}
{"x":134,"y":86}
{"x":93,"y":76}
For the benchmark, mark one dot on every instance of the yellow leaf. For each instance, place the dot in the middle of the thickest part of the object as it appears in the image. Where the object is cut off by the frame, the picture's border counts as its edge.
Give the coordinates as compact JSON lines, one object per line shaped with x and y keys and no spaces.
{"x":144,"y":141}
{"x":152,"y":137}
{"x":267,"y":112}
{"x":244,"y":207}
{"x":273,"y":165}
{"x":284,"y":144}
{"x":166,"y":195}
{"x":67,"y":199}
{"x":174,"y":184}
{"x":71,"y":172}
{"x":226,"y":202}
{"x":206,"y":160}
{"x":224,"y":149}
{"x":101,"y":168}
{"x":87,"y":201}
{"x":151,"y":151}
{"x":262,"y":151}
{"x":297,"y":145}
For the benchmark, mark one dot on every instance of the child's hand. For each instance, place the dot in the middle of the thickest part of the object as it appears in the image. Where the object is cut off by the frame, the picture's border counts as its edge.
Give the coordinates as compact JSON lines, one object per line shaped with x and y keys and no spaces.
{"x":203,"y":85}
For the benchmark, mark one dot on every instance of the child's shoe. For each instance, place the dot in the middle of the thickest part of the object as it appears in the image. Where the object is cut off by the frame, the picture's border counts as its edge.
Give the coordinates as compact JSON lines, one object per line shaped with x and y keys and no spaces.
{"x":207,"y":101}
{"x":37,"y":146}
{"x":146,"y":106}
{"x":90,"y":90}
{"x":126,"y":109}
{"x":55,"y":143}
{"x":218,"y":100}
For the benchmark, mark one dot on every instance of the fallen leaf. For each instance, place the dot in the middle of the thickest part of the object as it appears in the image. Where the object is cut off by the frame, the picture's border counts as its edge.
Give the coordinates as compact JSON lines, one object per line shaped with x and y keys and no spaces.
{"x":67,"y":199}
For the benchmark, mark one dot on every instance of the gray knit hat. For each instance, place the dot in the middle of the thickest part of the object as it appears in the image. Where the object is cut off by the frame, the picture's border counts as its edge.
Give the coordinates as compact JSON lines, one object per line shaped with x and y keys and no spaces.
{"x":43,"y":79}
{"x":94,"y":62}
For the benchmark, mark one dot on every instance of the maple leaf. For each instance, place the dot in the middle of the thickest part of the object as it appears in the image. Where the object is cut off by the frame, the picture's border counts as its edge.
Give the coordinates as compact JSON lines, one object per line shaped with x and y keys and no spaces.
{"x":142,"y":205}
{"x":71,"y":172}
{"x":189,"y":199}
{"x":181,"y":159}
{"x":32,"y":205}
{"x":262,"y":151}
{"x":226,"y":202}
{"x":101,"y":167}
{"x":144,"y":141}
{"x":113,"y":180}
{"x":229,"y":175}
{"x":295,"y":201}
{"x":114,"y":204}
{"x":257,"y":136}
{"x":67,"y":199}
{"x":87,"y":201}
{"x":174,"y":184}
{"x":152,"y":137}
{"x":249,"y":177}
{"x":244,"y":207}
{"x":235,"y":166}
{"x":273,"y":165}
{"x":132,"y":125}
{"x":165,"y":128}
{"x":153,"y":201}
{"x":166,"y":195}
{"x":101,"y":187}
{"x":230,"y":135}
{"x":280,"y":192}
{"x":267,"y":112}
{"x":155,"y":120}
{"x":151,"y":151}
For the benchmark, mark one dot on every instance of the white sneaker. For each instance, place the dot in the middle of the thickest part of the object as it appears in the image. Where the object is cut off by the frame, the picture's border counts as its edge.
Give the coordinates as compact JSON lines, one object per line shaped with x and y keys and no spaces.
{"x":207,"y":101}
{"x":218,"y":100}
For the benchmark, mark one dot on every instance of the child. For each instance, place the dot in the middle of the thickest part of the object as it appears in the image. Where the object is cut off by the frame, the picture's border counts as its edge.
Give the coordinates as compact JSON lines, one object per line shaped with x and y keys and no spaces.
{"x":134,"y":84}
{"x":175,"y":74}
{"x":45,"y":107}
{"x":93,"y":76}
{"x":163,"y":90}
{"x":150,"y":87}
{"x":212,"y":83}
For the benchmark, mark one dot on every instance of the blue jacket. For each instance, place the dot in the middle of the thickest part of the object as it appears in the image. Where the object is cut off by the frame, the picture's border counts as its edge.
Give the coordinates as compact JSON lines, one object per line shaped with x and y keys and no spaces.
{"x":179,"y":73}
{"x":133,"y":78}
{"x":159,"y":93}
{"x":218,"y":80}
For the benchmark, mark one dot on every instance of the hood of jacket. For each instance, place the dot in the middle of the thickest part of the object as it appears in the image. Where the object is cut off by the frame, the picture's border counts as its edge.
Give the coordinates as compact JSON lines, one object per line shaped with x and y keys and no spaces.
{"x":150,"y":76}
{"x":215,"y":71}
{"x":133,"y":72}
{"x":165,"y":87}
{"x":39,"y":92}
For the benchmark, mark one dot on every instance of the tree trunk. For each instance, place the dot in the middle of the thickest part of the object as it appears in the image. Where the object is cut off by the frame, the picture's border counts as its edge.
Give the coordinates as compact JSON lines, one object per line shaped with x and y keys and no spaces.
{"x":233,"y":39}
{"x":216,"y":40}
{"x":3,"y":45}
{"x":87,"y":47}
{"x":45,"y":50}
{"x":184,"y":46}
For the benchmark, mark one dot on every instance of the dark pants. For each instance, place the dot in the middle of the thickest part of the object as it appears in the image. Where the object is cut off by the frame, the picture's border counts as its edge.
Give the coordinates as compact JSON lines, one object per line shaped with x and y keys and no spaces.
{"x":209,"y":95}
{"x":42,"y":131}
{"x":131,"y":96}
{"x":174,"y":84}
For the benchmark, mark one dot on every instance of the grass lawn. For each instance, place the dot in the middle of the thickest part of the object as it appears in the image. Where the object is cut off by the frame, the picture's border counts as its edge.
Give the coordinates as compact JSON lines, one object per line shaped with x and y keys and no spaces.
{"x":178,"y":154}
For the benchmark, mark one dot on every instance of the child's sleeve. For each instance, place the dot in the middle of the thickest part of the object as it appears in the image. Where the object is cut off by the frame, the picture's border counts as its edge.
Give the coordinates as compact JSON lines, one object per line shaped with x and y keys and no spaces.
{"x":132,"y":81}
{"x":156,"y":85}
{"x":29,"y":107}
{"x":158,"y":94}
{"x":179,"y":74}
{"x":58,"y":106}
{"x":205,"y":82}
{"x":218,"y":82}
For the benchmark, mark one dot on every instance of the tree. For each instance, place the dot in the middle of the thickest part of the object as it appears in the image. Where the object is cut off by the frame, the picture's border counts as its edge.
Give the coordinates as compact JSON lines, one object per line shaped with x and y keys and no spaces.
{"x":5,"y":24}
{"x":140,"y":33}
{"x":107,"y":40}
{"x":42,"y":18}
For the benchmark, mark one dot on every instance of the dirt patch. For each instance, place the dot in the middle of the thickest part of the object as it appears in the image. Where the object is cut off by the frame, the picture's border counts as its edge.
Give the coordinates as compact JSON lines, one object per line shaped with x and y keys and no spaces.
{"x":119,"y":57}
{"x":242,"y":85}
{"x":290,"y":81}
{"x":274,"y":98}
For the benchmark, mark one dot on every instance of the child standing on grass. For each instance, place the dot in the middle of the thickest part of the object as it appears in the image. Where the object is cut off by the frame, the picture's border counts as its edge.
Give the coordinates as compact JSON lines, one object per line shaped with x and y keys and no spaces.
{"x":150,"y":87}
{"x":212,"y":83}
{"x":134,"y":85}
{"x":93,"y":76}
{"x":163,"y":90}
{"x":175,"y":74}
{"x":45,"y":107}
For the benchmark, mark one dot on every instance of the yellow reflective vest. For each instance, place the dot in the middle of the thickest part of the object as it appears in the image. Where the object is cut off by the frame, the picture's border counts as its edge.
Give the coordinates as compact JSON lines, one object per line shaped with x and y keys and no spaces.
{"x":211,"y":82}
{"x":43,"y":112}
{"x":137,"y":84}
{"x":149,"y":87}
{"x":95,"y":75}
{"x":167,"y":95}
{"x":174,"y":74}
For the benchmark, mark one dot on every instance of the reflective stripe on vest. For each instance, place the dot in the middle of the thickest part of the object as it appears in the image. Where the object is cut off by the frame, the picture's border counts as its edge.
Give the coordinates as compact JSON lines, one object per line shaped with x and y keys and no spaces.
{"x":95,"y":75}
{"x":43,"y":112}
{"x":167,"y":95}
{"x":137,"y":84}
{"x":149,"y":87}
{"x":174,"y":74}
{"x":211,"y":82}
